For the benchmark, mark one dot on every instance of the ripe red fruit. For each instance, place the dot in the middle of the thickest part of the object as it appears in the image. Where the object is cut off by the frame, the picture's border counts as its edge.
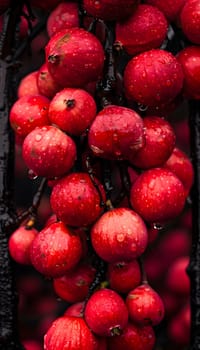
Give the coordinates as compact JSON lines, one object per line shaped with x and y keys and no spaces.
{"x":72,"y":110}
{"x":115,"y":132}
{"x":30,"y":344}
{"x":47,"y":86}
{"x":106,"y":313}
{"x":28,"y":85}
{"x":145,"y":307}
{"x":133,"y":337}
{"x":69,"y":333}
{"x":19,"y":244}
{"x":179,"y":327}
{"x":157,"y":195}
{"x":172,"y":302}
{"x":180,"y":164}
{"x":43,"y":146}
{"x":76,"y":201}
{"x":74,"y":57}
{"x":158,"y":146}
{"x":170,"y":8}
{"x":153,"y":78}
{"x":119,"y":235}
{"x":74,"y":285}
{"x":124,"y":276}
{"x":28,"y":112}
{"x":190,"y":20}
{"x":76,"y":310}
{"x":177,"y":242}
{"x":180,"y":285}
{"x":145,"y":29}
{"x":55,"y":250}
{"x":65,"y":15}
{"x":189,"y":59}
{"x":110,"y":10}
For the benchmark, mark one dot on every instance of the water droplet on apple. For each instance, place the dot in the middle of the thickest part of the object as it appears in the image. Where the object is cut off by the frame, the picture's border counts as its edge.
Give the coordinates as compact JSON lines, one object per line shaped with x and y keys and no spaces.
{"x":142,"y":107}
{"x":120,"y":237}
{"x":115,"y":137}
{"x":38,"y":137}
{"x":32,"y":175}
{"x":96,"y":149}
{"x":189,"y":200}
{"x":157,"y":226}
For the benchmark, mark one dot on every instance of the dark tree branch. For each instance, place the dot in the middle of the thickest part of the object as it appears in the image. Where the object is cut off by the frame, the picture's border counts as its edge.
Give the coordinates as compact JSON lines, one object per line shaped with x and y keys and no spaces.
{"x":8,"y":297}
{"x":194,"y":266}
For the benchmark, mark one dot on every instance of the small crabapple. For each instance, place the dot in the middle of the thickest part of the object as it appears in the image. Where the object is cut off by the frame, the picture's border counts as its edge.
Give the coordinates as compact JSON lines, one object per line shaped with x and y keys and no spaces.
{"x":106,"y":313}
{"x":55,"y":250}
{"x":43,"y":145}
{"x":145,"y":307}
{"x":119,"y":234}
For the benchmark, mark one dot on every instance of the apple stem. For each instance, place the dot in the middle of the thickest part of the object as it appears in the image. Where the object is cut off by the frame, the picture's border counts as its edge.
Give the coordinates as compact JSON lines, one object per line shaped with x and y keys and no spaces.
{"x":92,"y":26}
{"x":70,"y":103}
{"x":82,"y":13}
{"x":107,"y":178}
{"x":106,"y":88}
{"x":115,"y":331}
{"x":99,"y":280}
{"x":143,"y":272}
{"x":125,"y":178}
{"x":32,"y":210}
{"x":91,"y":174}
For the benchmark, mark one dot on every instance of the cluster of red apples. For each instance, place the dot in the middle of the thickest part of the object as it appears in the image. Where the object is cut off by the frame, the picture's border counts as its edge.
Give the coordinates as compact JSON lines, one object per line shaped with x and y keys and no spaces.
{"x":77,"y":141}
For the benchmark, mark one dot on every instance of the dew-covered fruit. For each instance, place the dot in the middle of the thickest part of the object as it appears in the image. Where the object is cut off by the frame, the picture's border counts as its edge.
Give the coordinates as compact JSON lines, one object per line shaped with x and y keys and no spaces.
{"x":190,"y":20}
{"x":55,"y":250}
{"x":76,"y":201}
{"x":72,"y":110}
{"x":28,"y":112}
{"x":65,"y":15}
{"x":153,"y":78}
{"x":106,"y":313}
{"x":170,"y":8}
{"x":19,"y":244}
{"x":119,"y":235}
{"x":145,"y":306}
{"x":133,"y":337}
{"x":189,"y":58}
{"x":124,"y":276}
{"x":74,"y":285}
{"x":69,"y":333}
{"x":75,"y":57}
{"x":145,"y":29}
{"x":116,"y":132}
{"x":157,"y":195}
{"x":159,"y":142}
{"x":49,"y":152}
{"x":110,"y":10}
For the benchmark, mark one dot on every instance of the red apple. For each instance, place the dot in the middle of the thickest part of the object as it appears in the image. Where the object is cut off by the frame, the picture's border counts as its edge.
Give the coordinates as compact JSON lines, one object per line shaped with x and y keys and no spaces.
{"x":119,"y":235}
{"x":55,"y":250}
{"x":106,"y":313}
